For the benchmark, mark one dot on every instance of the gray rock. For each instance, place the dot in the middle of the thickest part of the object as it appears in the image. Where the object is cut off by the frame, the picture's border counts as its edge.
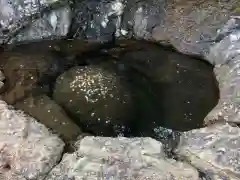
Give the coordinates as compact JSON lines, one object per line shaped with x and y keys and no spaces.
{"x":97,"y":20}
{"x":143,"y":18}
{"x":54,"y":24}
{"x":2,"y":77}
{"x":191,"y":26}
{"x":120,"y":158}
{"x":213,"y":150}
{"x":15,"y":15}
{"x":28,"y":149}
{"x":226,"y":55}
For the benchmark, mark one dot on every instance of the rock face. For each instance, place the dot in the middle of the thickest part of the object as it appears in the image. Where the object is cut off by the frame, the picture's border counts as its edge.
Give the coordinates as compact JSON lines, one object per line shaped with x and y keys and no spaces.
{"x":191,"y":26}
{"x":97,"y":96}
{"x":22,"y":69}
{"x":16,"y":15}
{"x":184,"y":88}
{"x":28,"y":149}
{"x":96,"y":20}
{"x":51,"y":115}
{"x":52,"y":24}
{"x":213,"y":150}
{"x":225,"y":56}
{"x":120,"y":158}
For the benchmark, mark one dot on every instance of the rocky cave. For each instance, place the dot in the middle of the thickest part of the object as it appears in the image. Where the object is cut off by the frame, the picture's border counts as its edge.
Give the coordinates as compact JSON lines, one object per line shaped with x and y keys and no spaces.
{"x":131,"y":88}
{"x":122,"y":90}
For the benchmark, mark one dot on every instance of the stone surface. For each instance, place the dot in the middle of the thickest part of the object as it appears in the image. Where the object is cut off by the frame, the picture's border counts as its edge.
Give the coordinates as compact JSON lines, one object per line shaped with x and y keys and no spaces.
{"x":17,"y":14}
{"x":213,"y":150}
{"x":47,"y":112}
{"x":54,"y":24}
{"x":23,"y":66}
{"x":192,"y":25}
{"x":184,"y":88}
{"x":28,"y":149}
{"x":95,"y":95}
{"x":225,"y":55}
{"x":97,"y":20}
{"x":120,"y":158}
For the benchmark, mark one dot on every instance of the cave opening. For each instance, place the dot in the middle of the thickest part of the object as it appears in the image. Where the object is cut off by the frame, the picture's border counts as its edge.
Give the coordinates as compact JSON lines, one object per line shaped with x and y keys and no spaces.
{"x":160,"y":90}
{"x":131,"y":88}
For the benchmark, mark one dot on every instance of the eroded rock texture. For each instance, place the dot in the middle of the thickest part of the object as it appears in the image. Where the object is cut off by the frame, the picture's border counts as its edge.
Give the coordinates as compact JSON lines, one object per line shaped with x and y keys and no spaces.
{"x":16,"y":15}
{"x":213,"y":150}
{"x":28,"y":149}
{"x":120,"y":158}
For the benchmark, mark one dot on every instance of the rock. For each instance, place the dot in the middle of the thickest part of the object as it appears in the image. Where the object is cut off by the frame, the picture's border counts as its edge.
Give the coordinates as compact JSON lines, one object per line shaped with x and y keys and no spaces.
{"x":53,"y":24}
{"x":225,"y":55}
{"x":120,"y":158}
{"x":184,"y":88}
{"x":95,"y":94}
{"x":213,"y":150}
{"x":191,"y":26}
{"x":16,"y":15}
{"x":23,"y":66}
{"x":2,"y":77}
{"x":96,"y":20}
{"x":28,"y":149}
{"x":47,"y":112}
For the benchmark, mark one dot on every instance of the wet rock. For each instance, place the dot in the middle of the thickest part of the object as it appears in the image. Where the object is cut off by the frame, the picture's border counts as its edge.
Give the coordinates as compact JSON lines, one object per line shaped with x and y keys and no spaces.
{"x":142,"y":19}
{"x":120,"y":158}
{"x":189,"y":26}
{"x":96,"y":96}
{"x":47,"y":112}
{"x":28,"y":149}
{"x":23,"y":66}
{"x":184,"y":88}
{"x":214,"y":150}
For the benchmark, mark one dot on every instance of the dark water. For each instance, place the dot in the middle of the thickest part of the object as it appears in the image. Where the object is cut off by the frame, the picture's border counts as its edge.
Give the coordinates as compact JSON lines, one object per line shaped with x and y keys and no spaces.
{"x":165,"y":89}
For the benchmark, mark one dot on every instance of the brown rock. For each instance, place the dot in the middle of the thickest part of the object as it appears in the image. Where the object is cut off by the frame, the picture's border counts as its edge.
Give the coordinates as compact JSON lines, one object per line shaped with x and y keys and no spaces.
{"x":51,"y":115}
{"x":99,"y":98}
{"x":22,"y":71}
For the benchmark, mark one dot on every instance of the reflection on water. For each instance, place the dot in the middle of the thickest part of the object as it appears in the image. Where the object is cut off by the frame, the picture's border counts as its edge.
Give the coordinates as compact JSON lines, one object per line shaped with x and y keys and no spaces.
{"x":134,"y":88}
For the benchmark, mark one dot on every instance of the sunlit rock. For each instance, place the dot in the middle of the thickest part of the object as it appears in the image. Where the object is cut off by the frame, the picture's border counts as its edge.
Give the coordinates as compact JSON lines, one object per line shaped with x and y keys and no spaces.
{"x":28,"y":149}
{"x":214,"y":150}
{"x":120,"y":158}
{"x":225,"y":55}
{"x":184,"y":88}
{"x":97,"y":20}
